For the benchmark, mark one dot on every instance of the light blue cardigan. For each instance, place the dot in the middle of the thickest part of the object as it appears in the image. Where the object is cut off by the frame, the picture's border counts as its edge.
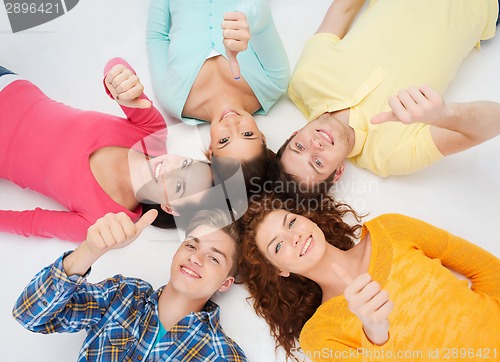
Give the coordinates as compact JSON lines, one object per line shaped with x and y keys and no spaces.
{"x":182,"y":33}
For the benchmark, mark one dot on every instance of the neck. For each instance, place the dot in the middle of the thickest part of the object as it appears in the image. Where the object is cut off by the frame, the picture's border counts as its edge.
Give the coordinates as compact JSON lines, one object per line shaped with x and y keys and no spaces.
{"x":110,"y":168}
{"x":343,"y":116}
{"x":352,"y":262}
{"x":137,"y":163}
{"x":173,"y":306}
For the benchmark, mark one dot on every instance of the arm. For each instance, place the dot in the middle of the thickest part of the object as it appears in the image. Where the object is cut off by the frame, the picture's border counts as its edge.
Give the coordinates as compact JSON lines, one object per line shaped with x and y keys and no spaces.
{"x":158,"y":42}
{"x":479,"y":266}
{"x":123,"y":85}
{"x":454,"y":126}
{"x":339,"y":17}
{"x":369,"y":303}
{"x":266,"y":42}
{"x":112,"y":231}
{"x":64,"y":225}
{"x":58,"y":299}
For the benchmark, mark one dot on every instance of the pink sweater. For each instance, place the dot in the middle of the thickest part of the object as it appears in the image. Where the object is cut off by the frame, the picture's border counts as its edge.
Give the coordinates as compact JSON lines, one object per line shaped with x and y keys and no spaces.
{"x":46,"y":145}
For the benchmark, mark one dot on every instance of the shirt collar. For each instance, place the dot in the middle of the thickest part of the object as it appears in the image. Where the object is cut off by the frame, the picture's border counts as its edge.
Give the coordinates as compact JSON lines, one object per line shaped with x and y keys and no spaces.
{"x":210,"y":312}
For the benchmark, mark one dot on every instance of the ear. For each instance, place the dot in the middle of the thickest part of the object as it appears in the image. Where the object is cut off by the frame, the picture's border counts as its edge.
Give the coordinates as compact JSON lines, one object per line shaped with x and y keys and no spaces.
{"x":339,"y":172}
{"x":264,"y":140}
{"x":169,"y":210}
{"x":227,"y":284}
{"x":284,"y":274}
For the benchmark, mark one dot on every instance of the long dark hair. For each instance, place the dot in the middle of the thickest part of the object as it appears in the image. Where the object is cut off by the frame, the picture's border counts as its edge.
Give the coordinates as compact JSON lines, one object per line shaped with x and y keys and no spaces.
{"x":287,"y":303}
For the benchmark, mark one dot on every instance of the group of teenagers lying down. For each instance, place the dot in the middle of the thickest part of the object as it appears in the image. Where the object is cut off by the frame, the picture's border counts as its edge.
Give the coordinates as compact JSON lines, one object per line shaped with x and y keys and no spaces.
{"x":330,"y":288}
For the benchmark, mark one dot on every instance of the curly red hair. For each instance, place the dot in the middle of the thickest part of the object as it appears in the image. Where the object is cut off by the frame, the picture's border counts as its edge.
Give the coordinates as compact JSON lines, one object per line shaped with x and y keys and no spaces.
{"x":287,"y":303}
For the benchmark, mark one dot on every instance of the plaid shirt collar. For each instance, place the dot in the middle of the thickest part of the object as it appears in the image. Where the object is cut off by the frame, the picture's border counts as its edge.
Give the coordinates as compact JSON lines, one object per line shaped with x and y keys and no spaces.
{"x":210,"y":312}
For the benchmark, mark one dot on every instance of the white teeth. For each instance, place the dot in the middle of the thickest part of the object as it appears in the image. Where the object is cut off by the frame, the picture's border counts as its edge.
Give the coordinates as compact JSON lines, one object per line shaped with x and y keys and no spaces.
{"x":326,"y":135}
{"x":306,"y":246}
{"x":190,"y":272}
{"x":229,"y":114}
{"x":157,"y":171}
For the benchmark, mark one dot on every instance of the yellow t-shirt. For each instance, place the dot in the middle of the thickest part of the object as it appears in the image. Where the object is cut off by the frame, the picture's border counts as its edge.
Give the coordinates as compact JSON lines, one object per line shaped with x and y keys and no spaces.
{"x":393,"y":45}
{"x":436,"y":316}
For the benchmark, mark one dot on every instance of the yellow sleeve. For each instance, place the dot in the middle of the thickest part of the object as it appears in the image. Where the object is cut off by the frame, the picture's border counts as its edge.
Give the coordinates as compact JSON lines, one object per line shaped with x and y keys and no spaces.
{"x":335,"y":334}
{"x":478,"y":265}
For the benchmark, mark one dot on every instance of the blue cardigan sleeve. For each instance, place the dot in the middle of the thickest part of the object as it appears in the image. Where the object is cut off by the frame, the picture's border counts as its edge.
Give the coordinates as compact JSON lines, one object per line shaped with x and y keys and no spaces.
{"x":158,"y":41}
{"x":266,"y":42}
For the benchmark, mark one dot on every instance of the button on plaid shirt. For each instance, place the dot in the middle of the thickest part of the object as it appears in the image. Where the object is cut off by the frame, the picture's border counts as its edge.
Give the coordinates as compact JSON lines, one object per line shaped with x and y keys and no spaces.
{"x":120,"y":316}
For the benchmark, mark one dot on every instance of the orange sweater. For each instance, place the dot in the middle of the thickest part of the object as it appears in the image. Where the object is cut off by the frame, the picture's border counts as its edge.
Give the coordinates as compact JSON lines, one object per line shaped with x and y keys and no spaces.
{"x":436,"y":317}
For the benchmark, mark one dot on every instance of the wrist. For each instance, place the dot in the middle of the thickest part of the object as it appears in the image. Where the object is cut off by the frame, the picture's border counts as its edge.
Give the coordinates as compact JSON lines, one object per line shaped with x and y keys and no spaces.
{"x":80,"y":260}
{"x":377,"y":336}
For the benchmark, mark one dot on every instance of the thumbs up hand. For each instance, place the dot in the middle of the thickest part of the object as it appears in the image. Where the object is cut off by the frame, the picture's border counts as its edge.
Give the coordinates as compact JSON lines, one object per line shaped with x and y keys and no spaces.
{"x":369,"y":303}
{"x":236,"y":34}
{"x":115,"y":231}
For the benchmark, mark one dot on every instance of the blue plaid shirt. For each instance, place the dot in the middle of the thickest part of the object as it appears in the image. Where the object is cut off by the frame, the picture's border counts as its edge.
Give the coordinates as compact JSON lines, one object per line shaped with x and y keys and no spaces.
{"x":120,"y":316}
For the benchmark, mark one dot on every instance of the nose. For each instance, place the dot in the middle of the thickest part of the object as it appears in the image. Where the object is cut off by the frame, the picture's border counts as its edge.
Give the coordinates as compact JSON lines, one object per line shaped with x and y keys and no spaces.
{"x":292,"y":238}
{"x":173,"y":163}
{"x":195,"y":258}
{"x":316,"y":143}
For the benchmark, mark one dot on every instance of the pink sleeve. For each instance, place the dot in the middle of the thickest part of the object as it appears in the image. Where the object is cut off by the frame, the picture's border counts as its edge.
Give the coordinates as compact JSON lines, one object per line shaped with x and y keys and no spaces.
{"x":63,"y":225}
{"x":149,"y":119}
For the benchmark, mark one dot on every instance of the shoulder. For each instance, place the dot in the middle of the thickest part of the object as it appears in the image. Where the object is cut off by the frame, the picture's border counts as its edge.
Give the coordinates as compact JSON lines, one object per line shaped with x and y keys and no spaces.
{"x":127,"y":286}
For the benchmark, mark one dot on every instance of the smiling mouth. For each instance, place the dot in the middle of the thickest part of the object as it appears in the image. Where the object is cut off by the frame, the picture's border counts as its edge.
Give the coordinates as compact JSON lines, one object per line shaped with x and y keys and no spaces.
{"x":306,"y":246}
{"x":157,"y":171}
{"x":326,"y":135}
{"x":227,"y":114}
{"x":190,"y":272}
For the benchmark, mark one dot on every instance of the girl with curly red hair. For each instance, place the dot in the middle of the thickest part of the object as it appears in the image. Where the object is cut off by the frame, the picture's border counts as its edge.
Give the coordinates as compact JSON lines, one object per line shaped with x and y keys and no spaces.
{"x":388,"y":296}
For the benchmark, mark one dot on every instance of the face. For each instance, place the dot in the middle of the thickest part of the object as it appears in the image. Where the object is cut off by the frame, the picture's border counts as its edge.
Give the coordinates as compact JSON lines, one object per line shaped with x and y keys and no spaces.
{"x":171,"y":179}
{"x":201,"y":265}
{"x":292,"y":243}
{"x":317,"y":150}
{"x":236,"y":135}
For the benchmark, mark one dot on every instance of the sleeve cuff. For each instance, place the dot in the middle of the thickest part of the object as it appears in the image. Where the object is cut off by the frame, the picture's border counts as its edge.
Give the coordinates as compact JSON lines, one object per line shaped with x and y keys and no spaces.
{"x":61,"y":280}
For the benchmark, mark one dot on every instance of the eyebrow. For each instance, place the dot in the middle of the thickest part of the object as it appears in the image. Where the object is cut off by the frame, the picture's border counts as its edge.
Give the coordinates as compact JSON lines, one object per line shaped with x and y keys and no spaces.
{"x":214,"y":249}
{"x":184,"y":180}
{"x":314,"y":167}
{"x":183,"y":188}
{"x":283,"y":224}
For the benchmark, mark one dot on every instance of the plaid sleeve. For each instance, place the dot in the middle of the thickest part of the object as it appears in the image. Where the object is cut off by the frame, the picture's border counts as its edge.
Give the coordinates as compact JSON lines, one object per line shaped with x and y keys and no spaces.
{"x":54,"y":302}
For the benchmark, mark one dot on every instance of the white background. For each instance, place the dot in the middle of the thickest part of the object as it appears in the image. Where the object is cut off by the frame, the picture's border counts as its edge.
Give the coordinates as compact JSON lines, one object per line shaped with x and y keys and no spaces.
{"x":65,"y":59}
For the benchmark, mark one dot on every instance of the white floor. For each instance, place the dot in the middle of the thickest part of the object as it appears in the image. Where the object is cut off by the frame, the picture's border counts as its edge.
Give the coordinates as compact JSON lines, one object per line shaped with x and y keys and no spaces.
{"x":65,"y":58}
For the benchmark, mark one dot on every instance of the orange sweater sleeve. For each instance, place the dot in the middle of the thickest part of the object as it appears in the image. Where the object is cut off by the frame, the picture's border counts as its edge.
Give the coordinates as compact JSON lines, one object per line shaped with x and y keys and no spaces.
{"x":478,"y":265}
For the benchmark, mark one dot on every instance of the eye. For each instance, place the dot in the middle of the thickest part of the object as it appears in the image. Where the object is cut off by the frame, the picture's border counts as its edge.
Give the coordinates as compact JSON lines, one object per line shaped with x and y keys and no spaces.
{"x":190,"y":246}
{"x":318,"y":162}
{"x":178,"y":186}
{"x":184,"y":163}
{"x":299,"y":146}
{"x":278,"y":246}
{"x":291,"y":223}
{"x":248,"y":134}
{"x":224,"y":140}
{"x":214,"y":259}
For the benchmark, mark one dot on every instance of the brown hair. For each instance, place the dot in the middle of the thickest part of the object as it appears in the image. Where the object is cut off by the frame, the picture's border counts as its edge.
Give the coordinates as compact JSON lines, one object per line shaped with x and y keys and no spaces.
{"x":287,"y":303}
{"x":255,"y":170}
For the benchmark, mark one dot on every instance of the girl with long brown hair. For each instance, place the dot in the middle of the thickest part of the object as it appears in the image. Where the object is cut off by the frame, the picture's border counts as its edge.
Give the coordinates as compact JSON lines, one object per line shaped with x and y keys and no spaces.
{"x":388,"y":296}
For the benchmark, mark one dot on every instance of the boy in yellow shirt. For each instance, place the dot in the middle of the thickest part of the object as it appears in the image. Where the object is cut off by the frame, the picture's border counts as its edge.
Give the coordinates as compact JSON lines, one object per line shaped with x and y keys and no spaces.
{"x":344,"y":78}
